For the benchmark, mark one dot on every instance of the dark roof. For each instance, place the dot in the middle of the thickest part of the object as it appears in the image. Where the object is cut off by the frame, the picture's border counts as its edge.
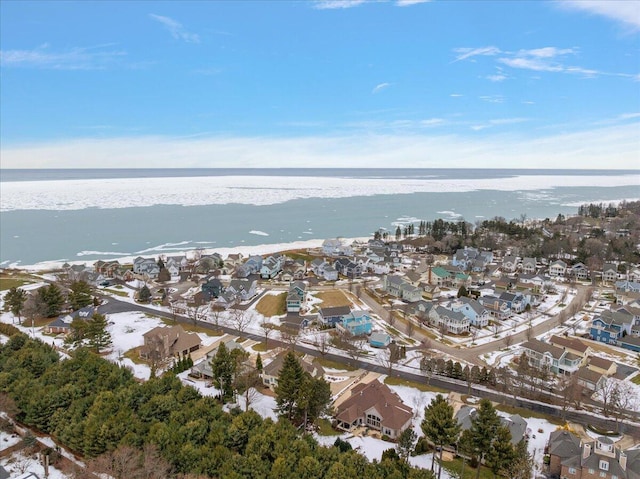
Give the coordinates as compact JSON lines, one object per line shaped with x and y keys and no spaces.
{"x":335,"y":311}
{"x":563,"y":444}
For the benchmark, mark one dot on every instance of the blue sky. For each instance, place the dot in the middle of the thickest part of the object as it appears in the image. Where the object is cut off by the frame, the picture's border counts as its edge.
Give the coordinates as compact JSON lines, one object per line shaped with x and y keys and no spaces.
{"x":509,"y":84}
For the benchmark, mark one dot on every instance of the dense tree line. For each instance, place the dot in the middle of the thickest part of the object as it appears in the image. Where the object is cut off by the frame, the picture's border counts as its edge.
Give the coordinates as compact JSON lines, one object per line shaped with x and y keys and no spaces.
{"x":94,"y":407}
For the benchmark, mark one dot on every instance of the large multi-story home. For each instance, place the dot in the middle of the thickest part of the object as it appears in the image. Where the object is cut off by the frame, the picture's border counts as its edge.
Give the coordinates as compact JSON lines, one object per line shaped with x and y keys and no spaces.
{"x":579,"y":271}
{"x":571,"y":458}
{"x":454,"y":322}
{"x":348,"y":268}
{"x":544,"y":356}
{"x":146,"y":266}
{"x":376,"y":406}
{"x":271,"y":371}
{"x":558,"y":268}
{"x":529,"y":265}
{"x":164,"y":342}
{"x":398,"y":287}
{"x":203,"y":368}
{"x":609,"y":273}
{"x":509,"y":263}
{"x":296,"y":296}
{"x":472,"y":259}
{"x":498,"y":308}
{"x":356,"y":323}
{"x":611,"y":326}
{"x":336,"y":247}
{"x":322,"y":269}
{"x":477,"y":314}
{"x":331,"y":316}
{"x":211,"y":289}
{"x":242,"y":289}
{"x":251,"y":266}
{"x":271,"y":267}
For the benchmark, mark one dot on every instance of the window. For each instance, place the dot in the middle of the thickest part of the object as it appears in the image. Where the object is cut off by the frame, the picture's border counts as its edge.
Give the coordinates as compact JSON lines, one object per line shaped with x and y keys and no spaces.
{"x":373,"y":421}
{"x":603,"y":474}
{"x":604,"y":465}
{"x":572,"y":470}
{"x":592,"y":470}
{"x":614,"y":477}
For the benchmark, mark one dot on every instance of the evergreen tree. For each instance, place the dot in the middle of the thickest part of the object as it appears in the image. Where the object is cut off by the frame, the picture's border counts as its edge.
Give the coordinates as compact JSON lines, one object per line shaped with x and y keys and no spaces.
{"x":406,"y":443}
{"x":78,"y":332}
{"x":223,"y":368}
{"x":440,"y":425}
{"x":259,"y":363}
{"x":462,"y":291}
{"x":14,"y":301}
{"x":312,"y":399}
{"x":52,"y":299}
{"x":289,"y":382}
{"x":80,"y":295}
{"x":484,"y":427}
{"x":144,"y":296}
{"x":98,"y":336}
{"x":521,"y":467}
{"x":164,"y":275}
{"x":501,"y":453}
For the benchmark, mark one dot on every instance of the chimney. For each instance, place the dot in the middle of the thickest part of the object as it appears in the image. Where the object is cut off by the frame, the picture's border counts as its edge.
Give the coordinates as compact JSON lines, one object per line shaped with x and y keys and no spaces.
{"x":623,"y":460}
{"x":586,"y":450}
{"x":429,"y":274}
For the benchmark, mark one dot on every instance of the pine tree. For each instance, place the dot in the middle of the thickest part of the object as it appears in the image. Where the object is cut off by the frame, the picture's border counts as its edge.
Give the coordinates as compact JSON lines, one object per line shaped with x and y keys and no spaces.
{"x":80,"y":295}
{"x":144,"y":296}
{"x":259,"y":363}
{"x":440,"y":425}
{"x":98,"y":336}
{"x":521,"y":466}
{"x":52,"y":298}
{"x":406,"y":443}
{"x":484,"y":426}
{"x":223,"y":368}
{"x":501,"y":453}
{"x":14,"y":301}
{"x":289,"y":382}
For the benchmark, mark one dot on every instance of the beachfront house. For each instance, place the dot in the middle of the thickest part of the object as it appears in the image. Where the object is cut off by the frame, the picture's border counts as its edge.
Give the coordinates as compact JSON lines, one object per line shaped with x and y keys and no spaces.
{"x":271,"y":267}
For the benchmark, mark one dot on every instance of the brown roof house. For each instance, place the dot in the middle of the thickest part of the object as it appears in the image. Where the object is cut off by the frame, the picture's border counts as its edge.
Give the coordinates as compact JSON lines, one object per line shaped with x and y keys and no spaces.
{"x":161,"y":343}
{"x":376,"y":406}
{"x":271,"y":371}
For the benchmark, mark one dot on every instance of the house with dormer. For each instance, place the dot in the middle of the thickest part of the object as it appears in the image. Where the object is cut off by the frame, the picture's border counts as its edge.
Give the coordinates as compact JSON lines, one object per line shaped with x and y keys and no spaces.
{"x":579,"y":271}
{"x":509,"y":263}
{"x":529,"y":265}
{"x":348,"y":268}
{"x":252,"y":265}
{"x":498,"y":308}
{"x":296,"y":296}
{"x":599,"y":459}
{"x":611,"y":326}
{"x":243,"y":289}
{"x":146,"y":267}
{"x":62,"y":324}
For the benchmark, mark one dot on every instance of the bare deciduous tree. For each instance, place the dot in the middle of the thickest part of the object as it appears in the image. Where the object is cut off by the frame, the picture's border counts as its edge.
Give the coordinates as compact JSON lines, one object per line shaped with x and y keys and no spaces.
{"x":196,"y":311}
{"x":240,"y":319}
{"x":508,"y":340}
{"x":267,"y":327}
{"x":289,"y":334}
{"x":322,"y":344}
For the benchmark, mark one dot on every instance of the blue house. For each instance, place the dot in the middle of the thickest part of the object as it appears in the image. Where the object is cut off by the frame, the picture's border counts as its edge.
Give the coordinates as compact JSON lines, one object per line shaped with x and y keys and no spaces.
{"x":356,"y":323}
{"x":630,"y":342}
{"x":611,"y":326}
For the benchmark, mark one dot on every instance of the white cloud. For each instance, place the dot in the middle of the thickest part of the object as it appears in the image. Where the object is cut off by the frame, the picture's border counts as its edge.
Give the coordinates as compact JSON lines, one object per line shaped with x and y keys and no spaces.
{"x":615,"y":146}
{"x":546,"y":52}
{"x":629,"y":116}
{"x":626,"y":12}
{"x":456,"y":95}
{"x":176,"y":29}
{"x":497,"y":77}
{"x":334,"y":4}
{"x":466,"y":53}
{"x":381,"y":86}
{"x":408,"y":3}
{"x":535,"y":64}
{"x":98,"y":57}
{"x":492,"y":98}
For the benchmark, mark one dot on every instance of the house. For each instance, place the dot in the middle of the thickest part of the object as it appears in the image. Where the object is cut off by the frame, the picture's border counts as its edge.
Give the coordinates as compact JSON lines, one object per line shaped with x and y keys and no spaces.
{"x":252,"y":265}
{"x":348,"y":268}
{"x":336,"y":247}
{"x":497,"y":307}
{"x":331,"y":316}
{"x":602,"y":366}
{"x":562,"y":446}
{"x":557,"y":268}
{"x":572,"y":345}
{"x":146,"y":267}
{"x":611,"y":326}
{"x":589,"y":379}
{"x":516,"y":424}
{"x":544,"y":356}
{"x":421,"y":309}
{"x":472,"y":259}
{"x":322,"y":269}
{"x":477,"y":314}
{"x":609,"y":273}
{"x":579,"y":271}
{"x":453,"y":321}
{"x":271,"y":371}
{"x":211,"y":289}
{"x":208,"y":263}
{"x":243,"y":289}
{"x":509,"y":263}
{"x":594,"y":459}
{"x":164,"y":342}
{"x":630,"y":342}
{"x":515,"y":301}
{"x":379,"y":340}
{"x":62,"y":325}
{"x":270,"y":267}
{"x":439,"y":276}
{"x":376,"y":406}
{"x":203,"y":368}
{"x":356,"y":323}
{"x":398,"y":287}
{"x":296,"y":296}
{"x":529,"y":265}
{"x":628,"y":286}
{"x":107,"y":268}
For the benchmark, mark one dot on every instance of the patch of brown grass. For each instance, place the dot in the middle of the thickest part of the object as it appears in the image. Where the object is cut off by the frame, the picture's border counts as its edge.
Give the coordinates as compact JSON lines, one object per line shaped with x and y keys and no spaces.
{"x":272,"y":305}
{"x":332,"y":299}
